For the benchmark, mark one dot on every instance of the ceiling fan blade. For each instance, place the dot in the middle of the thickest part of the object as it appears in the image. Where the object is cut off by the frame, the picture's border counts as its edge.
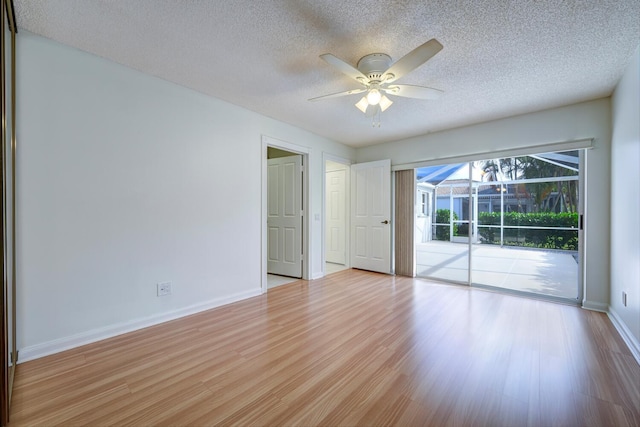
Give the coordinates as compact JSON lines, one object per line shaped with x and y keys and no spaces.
{"x":336,"y":95}
{"x":345,"y":68}
{"x":411,"y":91}
{"x":413,"y":60}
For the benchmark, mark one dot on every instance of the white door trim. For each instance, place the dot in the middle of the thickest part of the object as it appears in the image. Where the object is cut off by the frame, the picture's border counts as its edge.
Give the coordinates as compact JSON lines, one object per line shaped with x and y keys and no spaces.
{"x":347,"y":163}
{"x":268,"y":141}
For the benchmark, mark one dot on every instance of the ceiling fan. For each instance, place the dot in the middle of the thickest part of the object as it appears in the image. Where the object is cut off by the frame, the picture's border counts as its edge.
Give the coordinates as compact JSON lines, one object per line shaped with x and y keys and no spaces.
{"x":376,"y":77}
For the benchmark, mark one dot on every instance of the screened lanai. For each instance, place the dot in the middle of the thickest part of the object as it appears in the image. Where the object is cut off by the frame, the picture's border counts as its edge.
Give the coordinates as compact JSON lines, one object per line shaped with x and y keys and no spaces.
{"x":509,"y":223}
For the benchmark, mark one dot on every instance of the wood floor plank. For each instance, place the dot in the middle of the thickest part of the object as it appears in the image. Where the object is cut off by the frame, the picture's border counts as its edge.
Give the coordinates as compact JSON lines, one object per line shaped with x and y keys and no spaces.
{"x":354,"y":348}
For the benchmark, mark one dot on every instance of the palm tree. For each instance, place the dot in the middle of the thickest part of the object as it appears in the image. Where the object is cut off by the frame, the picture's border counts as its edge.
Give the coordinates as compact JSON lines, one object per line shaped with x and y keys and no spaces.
{"x":527,"y":167}
{"x":567,"y":192}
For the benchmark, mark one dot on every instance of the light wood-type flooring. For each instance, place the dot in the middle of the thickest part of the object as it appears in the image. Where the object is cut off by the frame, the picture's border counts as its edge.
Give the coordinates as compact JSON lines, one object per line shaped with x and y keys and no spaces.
{"x":354,"y":348}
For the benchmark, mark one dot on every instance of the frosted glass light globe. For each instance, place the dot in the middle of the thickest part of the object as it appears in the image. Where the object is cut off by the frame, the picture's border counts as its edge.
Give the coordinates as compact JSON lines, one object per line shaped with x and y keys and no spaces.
{"x":373,"y":97}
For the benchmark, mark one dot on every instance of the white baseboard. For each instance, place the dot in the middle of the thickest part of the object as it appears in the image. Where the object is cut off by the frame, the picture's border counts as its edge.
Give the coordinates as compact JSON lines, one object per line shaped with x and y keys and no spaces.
{"x":595,"y":306}
{"x":625,"y":333}
{"x":317,"y":275}
{"x":88,"y":337}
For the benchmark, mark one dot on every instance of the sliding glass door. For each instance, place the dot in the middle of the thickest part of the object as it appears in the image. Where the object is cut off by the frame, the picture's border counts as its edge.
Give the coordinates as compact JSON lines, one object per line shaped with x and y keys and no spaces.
{"x":528,"y":224}
{"x":510,"y":223}
{"x":442,"y":252}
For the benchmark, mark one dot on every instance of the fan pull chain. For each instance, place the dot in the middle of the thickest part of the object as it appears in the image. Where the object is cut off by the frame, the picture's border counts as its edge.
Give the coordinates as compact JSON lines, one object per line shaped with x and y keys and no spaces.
{"x":373,"y":120}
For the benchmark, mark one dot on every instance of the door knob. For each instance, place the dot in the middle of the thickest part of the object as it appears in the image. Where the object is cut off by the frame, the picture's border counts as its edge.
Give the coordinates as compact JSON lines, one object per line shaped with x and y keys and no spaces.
{"x":386,"y":221}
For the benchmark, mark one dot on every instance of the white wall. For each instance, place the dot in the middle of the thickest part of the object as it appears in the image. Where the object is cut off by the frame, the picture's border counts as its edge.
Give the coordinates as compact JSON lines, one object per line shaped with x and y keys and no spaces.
{"x":126,"y":180}
{"x":574,"y":122}
{"x":625,"y":202}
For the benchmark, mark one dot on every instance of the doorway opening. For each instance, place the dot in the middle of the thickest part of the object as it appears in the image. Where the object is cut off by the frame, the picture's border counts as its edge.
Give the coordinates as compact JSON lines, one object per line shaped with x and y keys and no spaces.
{"x":285,"y":239}
{"x":511,"y":223}
{"x":336,"y":215}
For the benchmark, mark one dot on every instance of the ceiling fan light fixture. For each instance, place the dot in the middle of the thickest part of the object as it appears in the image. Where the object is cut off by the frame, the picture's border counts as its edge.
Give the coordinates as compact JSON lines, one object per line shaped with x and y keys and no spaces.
{"x":362,"y":104}
{"x":374,"y":96}
{"x":385,"y":103}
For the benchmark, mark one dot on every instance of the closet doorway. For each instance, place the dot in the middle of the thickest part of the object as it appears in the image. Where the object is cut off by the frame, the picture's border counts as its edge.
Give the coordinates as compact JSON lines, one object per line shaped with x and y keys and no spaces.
{"x":336,"y":215}
{"x":285,"y":240}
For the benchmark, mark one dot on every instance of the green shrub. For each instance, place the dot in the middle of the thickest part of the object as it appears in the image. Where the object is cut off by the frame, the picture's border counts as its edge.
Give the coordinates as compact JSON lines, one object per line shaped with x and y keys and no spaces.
{"x":536,"y":238}
{"x":463,"y":230}
{"x":442,"y":231}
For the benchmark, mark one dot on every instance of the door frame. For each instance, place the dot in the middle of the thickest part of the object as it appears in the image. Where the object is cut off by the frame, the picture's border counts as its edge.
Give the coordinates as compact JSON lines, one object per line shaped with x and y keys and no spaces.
{"x":347,"y":190}
{"x":281,"y":219}
{"x":268,"y":141}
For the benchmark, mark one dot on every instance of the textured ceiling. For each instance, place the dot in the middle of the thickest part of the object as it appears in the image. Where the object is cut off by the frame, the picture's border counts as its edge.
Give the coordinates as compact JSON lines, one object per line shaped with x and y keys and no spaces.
{"x":500,"y":58}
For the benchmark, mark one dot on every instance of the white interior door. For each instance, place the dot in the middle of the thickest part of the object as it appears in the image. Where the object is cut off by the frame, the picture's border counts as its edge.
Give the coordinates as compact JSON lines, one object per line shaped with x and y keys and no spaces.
{"x":336,"y":216}
{"x":284,"y":216}
{"x":371,"y":215}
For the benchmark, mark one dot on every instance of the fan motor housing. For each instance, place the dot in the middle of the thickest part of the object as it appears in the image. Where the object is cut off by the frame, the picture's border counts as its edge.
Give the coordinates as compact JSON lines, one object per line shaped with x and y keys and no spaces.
{"x":374,"y":65}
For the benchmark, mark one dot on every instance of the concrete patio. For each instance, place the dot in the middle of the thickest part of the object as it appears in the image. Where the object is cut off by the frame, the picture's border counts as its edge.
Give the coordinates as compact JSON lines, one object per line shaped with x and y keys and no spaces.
{"x":553,"y":273}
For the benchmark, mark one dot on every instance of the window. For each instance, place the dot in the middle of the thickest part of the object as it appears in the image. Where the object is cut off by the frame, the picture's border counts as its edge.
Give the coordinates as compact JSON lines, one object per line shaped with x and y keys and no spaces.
{"x":424,"y":203}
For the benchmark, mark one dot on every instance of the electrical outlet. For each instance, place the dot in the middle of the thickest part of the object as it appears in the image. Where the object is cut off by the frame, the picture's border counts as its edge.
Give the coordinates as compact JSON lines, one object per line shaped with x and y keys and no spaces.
{"x":624,"y":298}
{"x":164,"y":289}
